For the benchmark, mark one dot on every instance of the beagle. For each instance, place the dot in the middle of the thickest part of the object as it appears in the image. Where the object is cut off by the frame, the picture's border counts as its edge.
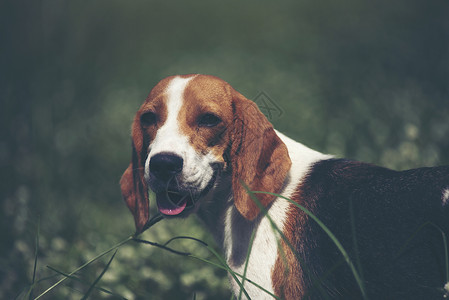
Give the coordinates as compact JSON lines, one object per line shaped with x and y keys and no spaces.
{"x":197,"y":144}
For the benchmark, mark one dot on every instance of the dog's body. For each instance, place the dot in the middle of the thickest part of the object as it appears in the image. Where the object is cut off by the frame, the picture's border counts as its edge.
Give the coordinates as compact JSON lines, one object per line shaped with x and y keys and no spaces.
{"x":197,"y":143}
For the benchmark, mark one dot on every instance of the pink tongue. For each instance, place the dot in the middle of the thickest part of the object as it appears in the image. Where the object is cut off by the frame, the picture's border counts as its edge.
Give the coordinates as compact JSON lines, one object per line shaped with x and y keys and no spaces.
{"x":169,"y":208}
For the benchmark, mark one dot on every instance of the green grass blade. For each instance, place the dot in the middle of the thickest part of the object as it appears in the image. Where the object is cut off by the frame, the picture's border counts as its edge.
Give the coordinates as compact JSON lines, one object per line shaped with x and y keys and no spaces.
{"x":157,"y":218}
{"x":220,"y":259}
{"x":83,"y":266}
{"x":446,"y":254}
{"x":224,"y":263}
{"x":185,"y":238}
{"x":91,"y":288}
{"x":354,"y":240}
{"x":36,"y":252}
{"x":72,"y":277}
{"x":246,"y":263}
{"x":162,"y":247}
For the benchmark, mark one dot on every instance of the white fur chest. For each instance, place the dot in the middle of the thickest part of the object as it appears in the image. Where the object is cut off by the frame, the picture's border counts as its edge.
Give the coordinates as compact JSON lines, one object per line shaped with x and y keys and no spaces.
{"x":264,"y":249}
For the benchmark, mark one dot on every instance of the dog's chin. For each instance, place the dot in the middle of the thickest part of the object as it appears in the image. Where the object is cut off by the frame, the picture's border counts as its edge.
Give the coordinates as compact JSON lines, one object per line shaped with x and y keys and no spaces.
{"x":177,"y":201}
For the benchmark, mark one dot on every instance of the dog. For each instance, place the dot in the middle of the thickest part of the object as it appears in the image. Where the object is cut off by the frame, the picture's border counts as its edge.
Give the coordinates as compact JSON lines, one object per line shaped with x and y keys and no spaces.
{"x":202,"y":147}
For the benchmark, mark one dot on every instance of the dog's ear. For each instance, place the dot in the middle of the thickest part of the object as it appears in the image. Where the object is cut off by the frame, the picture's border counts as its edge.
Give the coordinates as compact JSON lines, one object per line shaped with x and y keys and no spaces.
{"x":259,"y":158}
{"x":133,"y":185}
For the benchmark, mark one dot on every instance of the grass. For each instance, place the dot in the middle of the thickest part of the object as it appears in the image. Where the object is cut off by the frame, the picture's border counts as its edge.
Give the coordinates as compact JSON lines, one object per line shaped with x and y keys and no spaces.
{"x":219,"y":262}
{"x":67,"y":276}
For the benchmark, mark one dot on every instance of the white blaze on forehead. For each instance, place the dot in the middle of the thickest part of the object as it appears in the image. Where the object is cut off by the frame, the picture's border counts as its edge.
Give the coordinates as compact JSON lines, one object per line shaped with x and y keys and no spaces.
{"x":175,"y":98}
{"x":169,"y":137}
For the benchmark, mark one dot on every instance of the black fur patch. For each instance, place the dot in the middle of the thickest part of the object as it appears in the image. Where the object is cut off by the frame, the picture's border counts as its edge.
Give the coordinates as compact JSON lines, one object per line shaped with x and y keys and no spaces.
{"x":380,"y":217}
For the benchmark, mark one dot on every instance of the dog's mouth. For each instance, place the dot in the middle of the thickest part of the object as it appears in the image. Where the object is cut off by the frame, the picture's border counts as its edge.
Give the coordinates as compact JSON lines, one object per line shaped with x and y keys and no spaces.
{"x":172,"y":203}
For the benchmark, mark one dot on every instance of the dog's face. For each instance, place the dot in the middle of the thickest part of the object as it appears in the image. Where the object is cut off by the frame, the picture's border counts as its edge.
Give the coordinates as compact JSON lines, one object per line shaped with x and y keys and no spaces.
{"x":185,"y":132}
{"x":188,"y":131}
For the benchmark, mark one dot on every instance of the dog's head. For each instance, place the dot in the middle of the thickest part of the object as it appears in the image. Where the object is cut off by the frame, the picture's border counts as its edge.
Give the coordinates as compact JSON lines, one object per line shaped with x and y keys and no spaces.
{"x":189,"y":130}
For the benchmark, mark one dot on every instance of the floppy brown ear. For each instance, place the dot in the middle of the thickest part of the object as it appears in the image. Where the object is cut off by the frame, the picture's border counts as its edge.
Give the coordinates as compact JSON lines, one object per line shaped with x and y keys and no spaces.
{"x":133,"y":185}
{"x":258,"y":157}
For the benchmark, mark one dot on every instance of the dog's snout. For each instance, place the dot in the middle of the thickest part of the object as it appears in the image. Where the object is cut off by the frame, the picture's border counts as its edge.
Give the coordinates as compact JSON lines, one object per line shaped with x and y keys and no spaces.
{"x":165,"y":166}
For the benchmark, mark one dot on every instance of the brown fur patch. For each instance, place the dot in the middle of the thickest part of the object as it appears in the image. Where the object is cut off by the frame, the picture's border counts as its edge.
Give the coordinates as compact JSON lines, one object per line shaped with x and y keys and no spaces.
{"x":288,"y":275}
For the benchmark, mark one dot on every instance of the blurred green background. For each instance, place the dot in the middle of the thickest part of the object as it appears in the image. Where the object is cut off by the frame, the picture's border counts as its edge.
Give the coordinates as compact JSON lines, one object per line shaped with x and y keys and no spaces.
{"x":368,"y":80}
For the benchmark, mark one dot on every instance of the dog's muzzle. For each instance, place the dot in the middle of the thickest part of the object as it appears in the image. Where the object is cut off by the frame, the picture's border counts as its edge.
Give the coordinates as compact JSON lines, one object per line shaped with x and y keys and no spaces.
{"x":170,"y":197}
{"x":173,"y":199}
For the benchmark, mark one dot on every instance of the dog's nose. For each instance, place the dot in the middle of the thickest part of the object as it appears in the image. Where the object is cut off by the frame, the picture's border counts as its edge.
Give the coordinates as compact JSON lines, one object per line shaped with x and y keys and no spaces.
{"x":165,"y":166}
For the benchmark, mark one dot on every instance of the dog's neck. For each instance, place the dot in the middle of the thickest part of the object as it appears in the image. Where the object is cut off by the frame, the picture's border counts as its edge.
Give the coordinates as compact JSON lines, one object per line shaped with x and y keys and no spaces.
{"x":214,"y":205}
{"x":233,"y":232}
{"x":217,"y":210}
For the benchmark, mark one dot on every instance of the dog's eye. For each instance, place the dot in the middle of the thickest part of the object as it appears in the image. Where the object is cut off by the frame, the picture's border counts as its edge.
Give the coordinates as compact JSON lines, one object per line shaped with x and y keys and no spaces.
{"x":208,"y":120}
{"x":148,"y":118}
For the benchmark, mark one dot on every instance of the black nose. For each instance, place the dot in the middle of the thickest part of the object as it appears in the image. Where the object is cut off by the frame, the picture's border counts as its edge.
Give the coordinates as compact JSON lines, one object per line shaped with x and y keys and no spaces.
{"x":165,"y":166}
